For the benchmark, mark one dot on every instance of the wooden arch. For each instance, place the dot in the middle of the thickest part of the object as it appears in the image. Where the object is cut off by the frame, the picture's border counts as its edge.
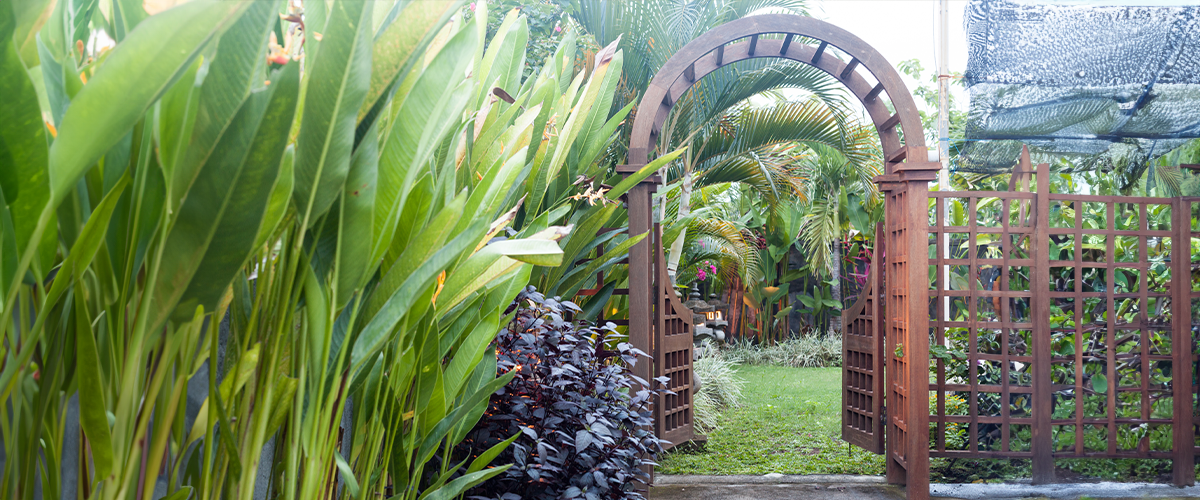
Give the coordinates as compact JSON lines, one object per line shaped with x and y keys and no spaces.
{"x":713,"y":50}
{"x":660,"y":325}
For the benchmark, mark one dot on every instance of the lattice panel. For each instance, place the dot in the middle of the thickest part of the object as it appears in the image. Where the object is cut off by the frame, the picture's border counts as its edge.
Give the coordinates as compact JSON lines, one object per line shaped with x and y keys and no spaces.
{"x":1110,"y":326}
{"x":672,"y":345}
{"x":862,"y":362}
{"x":1052,"y":327}
{"x":980,"y":317}
{"x":898,"y":332}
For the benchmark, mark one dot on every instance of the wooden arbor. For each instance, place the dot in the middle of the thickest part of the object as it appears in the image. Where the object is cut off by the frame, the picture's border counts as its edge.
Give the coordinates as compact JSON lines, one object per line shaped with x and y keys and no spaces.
{"x":656,"y":318}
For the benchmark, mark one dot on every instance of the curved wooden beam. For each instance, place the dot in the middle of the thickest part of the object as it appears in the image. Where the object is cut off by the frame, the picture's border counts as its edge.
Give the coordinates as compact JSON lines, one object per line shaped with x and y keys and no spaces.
{"x":710,"y":52}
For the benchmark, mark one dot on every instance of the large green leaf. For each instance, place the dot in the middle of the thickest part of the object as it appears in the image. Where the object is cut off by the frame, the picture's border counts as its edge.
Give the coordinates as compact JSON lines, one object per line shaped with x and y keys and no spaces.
{"x":23,"y":151}
{"x":504,"y":61}
{"x":493,"y":261}
{"x":220,"y":218}
{"x":174,"y":119}
{"x":469,"y":353}
{"x":93,"y":416}
{"x":8,"y":245}
{"x":337,"y":84}
{"x":487,"y":195}
{"x":356,"y":211}
{"x":426,"y":240}
{"x":52,"y":78}
{"x":455,"y":488}
{"x":231,"y":75}
{"x":136,"y":73}
{"x":281,"y":197}
{"x":397,"y":305}
{"x":427,"y":113}
{"x":30,"y":16}
{"x":394,"y":50}
{"x":127,"y":14}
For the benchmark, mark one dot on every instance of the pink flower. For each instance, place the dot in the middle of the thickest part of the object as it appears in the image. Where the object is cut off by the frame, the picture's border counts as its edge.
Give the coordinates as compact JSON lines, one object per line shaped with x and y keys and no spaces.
{"x":701,"y":275}
{"x":558,"y":29}
{"x":714,"y":268}
{"x":472,"y":6}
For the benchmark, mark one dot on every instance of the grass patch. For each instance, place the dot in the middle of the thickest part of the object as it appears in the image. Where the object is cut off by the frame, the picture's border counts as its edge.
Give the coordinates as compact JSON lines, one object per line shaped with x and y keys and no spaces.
{"x":789,"y":423}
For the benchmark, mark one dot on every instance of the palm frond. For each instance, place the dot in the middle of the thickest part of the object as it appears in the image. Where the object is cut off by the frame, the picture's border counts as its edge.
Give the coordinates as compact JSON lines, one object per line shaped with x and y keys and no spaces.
{"x":809,"y":121}
{"x":818,"y":232}
{"x":723,"y":240}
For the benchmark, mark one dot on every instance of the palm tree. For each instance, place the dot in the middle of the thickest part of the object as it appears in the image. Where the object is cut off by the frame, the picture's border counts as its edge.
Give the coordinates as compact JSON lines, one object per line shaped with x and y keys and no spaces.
{"x":651,"y":31}
{"x":832,"y":180}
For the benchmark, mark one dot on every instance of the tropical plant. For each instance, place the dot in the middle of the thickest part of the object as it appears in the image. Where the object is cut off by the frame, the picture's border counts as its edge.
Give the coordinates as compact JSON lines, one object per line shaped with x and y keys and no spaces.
{"x":650,"y":32}
{"x":578,"y":419}
{"x":841,"y":196}
{"x":720,"y":387}
{"x":239,"y":269}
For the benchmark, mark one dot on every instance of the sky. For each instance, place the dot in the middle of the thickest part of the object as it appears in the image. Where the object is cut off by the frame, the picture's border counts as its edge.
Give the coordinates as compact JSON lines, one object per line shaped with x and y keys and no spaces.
{"x":901,"y":30}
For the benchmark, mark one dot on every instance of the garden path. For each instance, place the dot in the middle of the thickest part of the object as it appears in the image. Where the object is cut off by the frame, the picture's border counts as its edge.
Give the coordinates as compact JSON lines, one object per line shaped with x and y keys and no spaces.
{"x":774,"y":487}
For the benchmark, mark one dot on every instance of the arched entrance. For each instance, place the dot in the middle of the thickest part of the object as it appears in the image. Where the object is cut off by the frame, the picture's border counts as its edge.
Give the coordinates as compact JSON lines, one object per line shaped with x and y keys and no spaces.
{"x":657,"y":320}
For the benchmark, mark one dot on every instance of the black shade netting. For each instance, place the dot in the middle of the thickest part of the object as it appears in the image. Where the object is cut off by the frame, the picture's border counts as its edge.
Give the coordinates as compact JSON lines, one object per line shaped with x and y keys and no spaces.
{"x":1098,"y":84}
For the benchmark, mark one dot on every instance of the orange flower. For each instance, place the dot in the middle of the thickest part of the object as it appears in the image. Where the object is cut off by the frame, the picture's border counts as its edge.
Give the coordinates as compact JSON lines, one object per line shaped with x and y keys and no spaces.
{"x":278,"y":54}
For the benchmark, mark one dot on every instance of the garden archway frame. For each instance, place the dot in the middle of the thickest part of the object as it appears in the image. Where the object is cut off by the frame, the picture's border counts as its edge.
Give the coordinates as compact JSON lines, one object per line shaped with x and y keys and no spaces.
{"x":660,"y":325}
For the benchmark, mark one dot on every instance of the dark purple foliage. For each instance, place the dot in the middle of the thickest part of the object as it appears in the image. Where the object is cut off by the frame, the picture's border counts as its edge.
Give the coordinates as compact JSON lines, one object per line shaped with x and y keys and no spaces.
{"x":584,"y":419}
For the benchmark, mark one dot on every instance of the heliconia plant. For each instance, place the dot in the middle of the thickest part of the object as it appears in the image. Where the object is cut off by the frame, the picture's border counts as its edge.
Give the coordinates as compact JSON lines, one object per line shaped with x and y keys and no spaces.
{"x":257,"y":249}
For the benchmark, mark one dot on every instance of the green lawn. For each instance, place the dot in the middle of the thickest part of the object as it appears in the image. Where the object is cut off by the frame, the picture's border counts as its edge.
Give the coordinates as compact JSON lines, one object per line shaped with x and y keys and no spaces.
{"x":789,"y":423}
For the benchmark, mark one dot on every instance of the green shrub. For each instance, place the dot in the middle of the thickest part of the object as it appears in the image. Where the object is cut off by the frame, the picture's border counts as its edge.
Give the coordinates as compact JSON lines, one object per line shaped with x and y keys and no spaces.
{"x":720,"y":388}
{"x":805,"y":351}
{"x":956,"y":433}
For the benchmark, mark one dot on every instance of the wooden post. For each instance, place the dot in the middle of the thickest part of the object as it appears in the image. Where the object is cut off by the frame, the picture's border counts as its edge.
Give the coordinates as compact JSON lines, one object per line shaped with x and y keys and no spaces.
{"x":639,"y":284}
{"x":1183,"y":463}
{"x":917,"y":241}
{"x":1042,"y":444}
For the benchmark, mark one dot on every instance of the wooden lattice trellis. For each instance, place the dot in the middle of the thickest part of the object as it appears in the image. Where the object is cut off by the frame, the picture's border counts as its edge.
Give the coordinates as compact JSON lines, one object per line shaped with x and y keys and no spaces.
{"x":1055,"y":319}
{"x":1055,"y":328}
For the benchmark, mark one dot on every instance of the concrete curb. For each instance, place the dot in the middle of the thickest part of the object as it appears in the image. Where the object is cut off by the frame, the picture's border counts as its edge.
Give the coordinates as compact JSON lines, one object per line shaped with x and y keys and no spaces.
{"x":664,"y":480}
{"x":1065,"y":491}
{"x":864,"y":484}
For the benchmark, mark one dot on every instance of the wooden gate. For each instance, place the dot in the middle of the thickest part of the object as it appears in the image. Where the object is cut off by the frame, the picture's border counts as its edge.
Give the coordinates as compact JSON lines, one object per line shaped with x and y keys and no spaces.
{"x":656,"y":319}
{"x":1063,"y":326}
{"x":863,"y":360}
{"x":672,"y":344}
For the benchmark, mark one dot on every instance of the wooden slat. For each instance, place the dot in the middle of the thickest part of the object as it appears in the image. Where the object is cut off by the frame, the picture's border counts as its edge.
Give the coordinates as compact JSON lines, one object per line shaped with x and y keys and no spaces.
{"x":897,"y":155}
{"x":849,"y":70}
{"x":753,"y":44}
{"x":690,"y":73}
{"x":720,"y":55}
{"x":890,"y":123}
{"x":820,"y":51}
{"x":787,"y":42}
{"x":1183,"y":466}
{"x":1041,"y":440}
{"x":874,"y":93}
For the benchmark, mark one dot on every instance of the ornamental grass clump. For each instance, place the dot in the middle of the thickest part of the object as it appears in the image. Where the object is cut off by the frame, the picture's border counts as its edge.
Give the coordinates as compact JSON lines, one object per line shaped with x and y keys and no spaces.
{"x":804,"y":351}
{"x":579,"y":417}
{"x":720,"y":387}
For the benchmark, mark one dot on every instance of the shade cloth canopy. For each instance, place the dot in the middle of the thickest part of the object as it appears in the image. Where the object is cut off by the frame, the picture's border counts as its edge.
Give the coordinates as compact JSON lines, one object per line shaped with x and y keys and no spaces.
{"x":1107,"y":85}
